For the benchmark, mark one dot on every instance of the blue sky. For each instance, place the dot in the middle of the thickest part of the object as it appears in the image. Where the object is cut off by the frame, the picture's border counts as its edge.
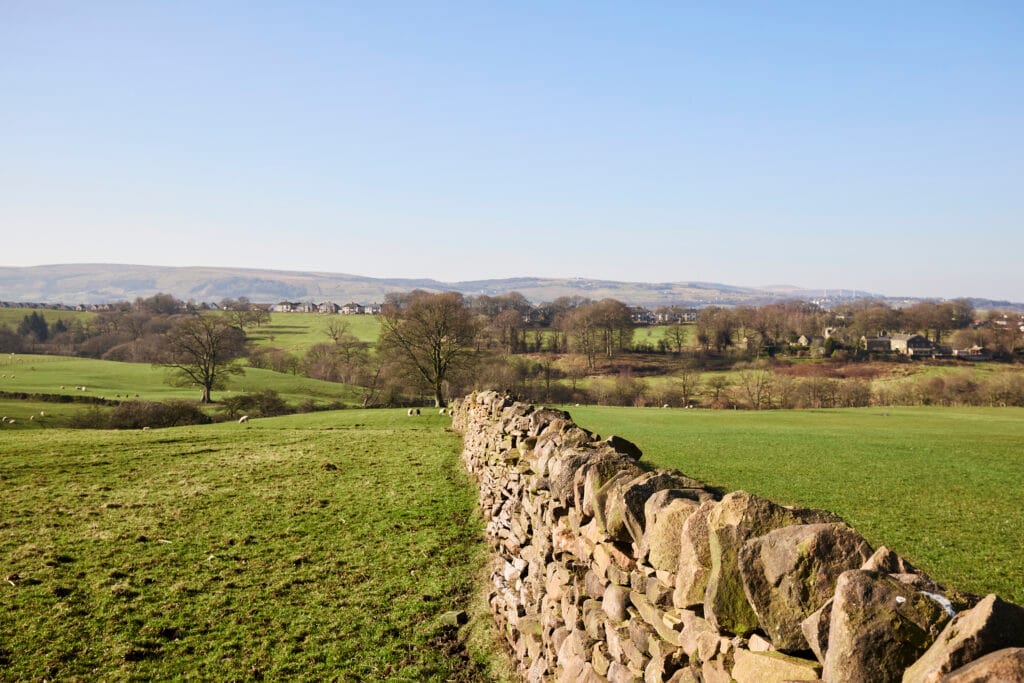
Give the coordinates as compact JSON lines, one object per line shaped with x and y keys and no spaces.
{"x":876,"y":146}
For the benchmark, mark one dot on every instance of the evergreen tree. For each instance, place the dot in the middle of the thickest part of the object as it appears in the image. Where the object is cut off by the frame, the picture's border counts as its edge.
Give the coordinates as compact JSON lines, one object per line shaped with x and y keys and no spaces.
{"x":34,"y":326}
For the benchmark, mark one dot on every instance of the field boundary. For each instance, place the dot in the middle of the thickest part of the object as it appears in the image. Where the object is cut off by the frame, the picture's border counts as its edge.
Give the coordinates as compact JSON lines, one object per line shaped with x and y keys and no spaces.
{"x":607,"y":570}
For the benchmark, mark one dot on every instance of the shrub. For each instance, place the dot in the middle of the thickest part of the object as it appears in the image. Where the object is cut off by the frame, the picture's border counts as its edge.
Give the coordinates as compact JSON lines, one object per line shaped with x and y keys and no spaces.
{"x":259,"y":404}
{"x":92,"y":417}
{"x":138,"y":414}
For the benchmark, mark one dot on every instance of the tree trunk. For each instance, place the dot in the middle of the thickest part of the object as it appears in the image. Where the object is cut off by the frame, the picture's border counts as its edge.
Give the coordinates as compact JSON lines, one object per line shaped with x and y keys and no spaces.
{"x":206,"y":394}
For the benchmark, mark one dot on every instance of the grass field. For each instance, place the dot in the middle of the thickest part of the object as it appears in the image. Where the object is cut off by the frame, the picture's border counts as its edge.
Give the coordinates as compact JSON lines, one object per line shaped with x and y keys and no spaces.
{"x":120,"y":381}
{"x":940,"y":485}
{"x":12,"y":317}
{"x":311,"y":547}
{"x":296,"y":332}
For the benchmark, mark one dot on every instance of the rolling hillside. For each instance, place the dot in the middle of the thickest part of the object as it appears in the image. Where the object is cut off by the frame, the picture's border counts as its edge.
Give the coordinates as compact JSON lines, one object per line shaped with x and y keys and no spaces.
{"x":101,"y":283}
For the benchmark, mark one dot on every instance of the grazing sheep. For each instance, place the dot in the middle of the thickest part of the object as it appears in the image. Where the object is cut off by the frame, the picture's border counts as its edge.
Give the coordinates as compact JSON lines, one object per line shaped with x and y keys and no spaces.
{"x":31,"y":418}
{"x":145,"y":429}
{"x":62,"y":387}
{"x":417,"y":411}
{"x":441,"y":412}
{"x":665,"y":406}
{"x":42,"y":413}
{"x":243,"y":419}
{"x":409,"y":412}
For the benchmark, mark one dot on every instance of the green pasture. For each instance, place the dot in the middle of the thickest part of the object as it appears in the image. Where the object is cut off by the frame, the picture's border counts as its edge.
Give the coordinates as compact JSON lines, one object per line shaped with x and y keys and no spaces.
{"x":12,"y":317}
{"x":313,"y":547}
{"x":296,"y":332}
{"x":59,"y":375}
{"x":654,"y":333}
{"x":940,"y":485}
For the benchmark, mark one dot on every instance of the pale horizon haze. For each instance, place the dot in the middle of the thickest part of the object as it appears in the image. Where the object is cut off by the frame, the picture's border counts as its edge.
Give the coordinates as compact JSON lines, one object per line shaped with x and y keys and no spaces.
{"x":872,"y":146}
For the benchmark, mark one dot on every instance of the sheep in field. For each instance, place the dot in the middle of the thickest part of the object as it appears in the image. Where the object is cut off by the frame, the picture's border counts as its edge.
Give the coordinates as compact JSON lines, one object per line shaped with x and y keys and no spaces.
{"x":243,"y":419}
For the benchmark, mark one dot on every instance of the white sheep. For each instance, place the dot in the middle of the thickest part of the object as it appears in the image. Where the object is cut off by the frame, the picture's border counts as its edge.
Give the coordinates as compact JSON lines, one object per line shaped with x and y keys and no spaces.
{"x":441,"y":412}
{"x":145,"y":429}
{"x":243,"y":419}
{"x":42,"y":413}
{"x":409,"y":412}
{"x":31,"y":418}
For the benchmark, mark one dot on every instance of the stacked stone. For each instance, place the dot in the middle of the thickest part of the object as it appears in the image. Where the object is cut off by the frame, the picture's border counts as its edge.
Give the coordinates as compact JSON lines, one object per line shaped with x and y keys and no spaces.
{"x":605,"y":571}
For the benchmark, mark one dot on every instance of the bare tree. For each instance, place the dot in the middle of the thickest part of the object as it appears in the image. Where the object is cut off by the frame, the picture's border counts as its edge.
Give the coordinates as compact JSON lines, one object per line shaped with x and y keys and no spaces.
{"x":201,"y":350}
{"x":431,"y":335}
{"x":757,"y":384}
{"x":687,"y":380}
{"x":337,"y":329}
{"x":717,"y":383}
{"x":676,"y":336}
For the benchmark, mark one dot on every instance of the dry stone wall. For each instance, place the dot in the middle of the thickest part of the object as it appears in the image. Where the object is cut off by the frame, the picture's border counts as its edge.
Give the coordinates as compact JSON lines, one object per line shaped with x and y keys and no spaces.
{"x":605,"y":570}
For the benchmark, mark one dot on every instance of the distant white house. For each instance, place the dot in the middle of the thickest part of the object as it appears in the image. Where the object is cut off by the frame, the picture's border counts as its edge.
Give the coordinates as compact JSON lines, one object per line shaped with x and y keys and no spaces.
{"x":353,"y":308}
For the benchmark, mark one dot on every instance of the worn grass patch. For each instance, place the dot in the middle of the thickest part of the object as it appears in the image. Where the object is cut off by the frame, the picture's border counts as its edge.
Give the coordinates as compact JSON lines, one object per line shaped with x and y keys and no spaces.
{"x":316,"y":547}
{"x":940,"y":485}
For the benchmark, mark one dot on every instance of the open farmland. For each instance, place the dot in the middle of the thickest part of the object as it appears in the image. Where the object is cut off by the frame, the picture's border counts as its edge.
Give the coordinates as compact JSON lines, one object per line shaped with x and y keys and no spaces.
{"x":111,"y":380}
{"x":321,"y":546}
{"x":939,"y":485}
{"x":296,"y":332}
{"x":12,"y":317}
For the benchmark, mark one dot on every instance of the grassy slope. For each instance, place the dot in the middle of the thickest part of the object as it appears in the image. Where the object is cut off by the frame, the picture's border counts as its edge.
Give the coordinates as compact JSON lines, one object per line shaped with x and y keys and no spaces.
{"x":119,"y":381}
{"x":314,"y":547}
{"x":296,"y":332}
{"x":940,"y":485}
{"x":12,"y":317}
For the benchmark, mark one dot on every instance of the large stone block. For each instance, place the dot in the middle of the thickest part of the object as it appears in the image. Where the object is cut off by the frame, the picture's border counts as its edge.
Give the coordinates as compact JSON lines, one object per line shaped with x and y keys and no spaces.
{"x":815,"y":630}
{"x":562,"y":470}
{"x":595,"y":473}
{"x":772,"y":667}
{"x":603,"y":500}
{"x":989,"y":626}
{"x":694,"y":558}
{"x":737,"y":518}
{"x":878,"y":628}
{"x":665,"y":512}
{"x":791,"y":572}
{"x":624,"y":515}
{"x":1001,"y":666}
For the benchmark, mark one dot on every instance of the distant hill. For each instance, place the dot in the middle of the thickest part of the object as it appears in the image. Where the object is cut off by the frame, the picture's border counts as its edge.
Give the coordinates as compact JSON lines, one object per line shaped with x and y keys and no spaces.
{"x":104,"y":283}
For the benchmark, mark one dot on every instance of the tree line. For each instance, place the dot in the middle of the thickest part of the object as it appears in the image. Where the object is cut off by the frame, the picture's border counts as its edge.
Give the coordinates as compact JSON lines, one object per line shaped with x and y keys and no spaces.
{"x":440,"y":345}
